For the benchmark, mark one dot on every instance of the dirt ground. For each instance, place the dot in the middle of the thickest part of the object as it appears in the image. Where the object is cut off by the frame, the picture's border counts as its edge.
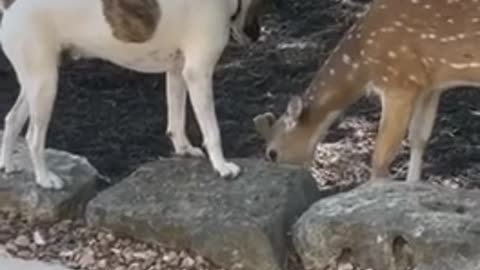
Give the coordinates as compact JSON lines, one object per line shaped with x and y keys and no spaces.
{"x":117,"y":118}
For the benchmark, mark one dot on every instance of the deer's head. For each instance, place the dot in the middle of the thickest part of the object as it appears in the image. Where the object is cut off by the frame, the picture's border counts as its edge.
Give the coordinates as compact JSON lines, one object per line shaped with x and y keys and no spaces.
{"x":293,"y":136}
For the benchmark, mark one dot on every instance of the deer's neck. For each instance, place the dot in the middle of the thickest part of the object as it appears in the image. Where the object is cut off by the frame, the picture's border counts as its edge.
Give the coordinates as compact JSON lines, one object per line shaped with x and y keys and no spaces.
{"x":340,"y":82}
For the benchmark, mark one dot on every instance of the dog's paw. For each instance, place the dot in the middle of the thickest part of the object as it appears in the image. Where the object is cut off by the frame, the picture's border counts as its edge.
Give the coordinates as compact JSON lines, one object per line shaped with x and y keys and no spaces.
{"x":2,"y":165}
{"x":52,"y":181}
{"x":190,"y":151}
{"x":8,"y":167}
{"x":228,"y":170}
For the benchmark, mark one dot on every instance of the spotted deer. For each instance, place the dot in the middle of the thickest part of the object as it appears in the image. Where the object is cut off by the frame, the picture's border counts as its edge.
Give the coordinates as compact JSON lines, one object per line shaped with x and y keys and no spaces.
{"x":408,"y":53}
{"x":183,"y":38}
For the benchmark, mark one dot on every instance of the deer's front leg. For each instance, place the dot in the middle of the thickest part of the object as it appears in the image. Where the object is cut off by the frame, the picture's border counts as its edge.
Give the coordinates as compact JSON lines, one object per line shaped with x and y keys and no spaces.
{"x":176,"y":103}
{"x":420,"y":130}
{"x":397,"y":107}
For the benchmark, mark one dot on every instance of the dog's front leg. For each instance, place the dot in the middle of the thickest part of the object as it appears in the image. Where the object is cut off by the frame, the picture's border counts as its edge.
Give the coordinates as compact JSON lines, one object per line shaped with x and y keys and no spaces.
{"x":199,"y":76}
{"x":176,"y":103}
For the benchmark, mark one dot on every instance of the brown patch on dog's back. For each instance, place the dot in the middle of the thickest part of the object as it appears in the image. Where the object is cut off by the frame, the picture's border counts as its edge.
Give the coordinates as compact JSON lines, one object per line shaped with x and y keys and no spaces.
{"x":131,"y":20}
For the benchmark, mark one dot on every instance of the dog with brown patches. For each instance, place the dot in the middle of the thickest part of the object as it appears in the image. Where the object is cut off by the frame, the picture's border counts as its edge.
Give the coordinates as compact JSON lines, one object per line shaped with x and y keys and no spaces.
{"x":184,"y":38}
{"x":132,"y":20}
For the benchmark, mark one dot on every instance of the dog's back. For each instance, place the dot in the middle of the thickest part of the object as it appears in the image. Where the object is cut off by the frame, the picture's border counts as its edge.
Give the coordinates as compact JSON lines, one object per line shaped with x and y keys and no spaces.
{"x":128,"y":21}
{"x":119,"y":31}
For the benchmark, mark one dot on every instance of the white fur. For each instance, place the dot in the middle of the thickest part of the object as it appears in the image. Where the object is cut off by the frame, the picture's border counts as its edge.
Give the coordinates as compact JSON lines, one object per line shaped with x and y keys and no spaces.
{"x":187,"y":44}
{"x":421,"y":126}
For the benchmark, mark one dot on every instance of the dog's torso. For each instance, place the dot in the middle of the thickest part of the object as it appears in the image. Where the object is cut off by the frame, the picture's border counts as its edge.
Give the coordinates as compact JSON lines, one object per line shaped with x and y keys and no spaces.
{"x":146,"y":36}
{"x":184,"y":38}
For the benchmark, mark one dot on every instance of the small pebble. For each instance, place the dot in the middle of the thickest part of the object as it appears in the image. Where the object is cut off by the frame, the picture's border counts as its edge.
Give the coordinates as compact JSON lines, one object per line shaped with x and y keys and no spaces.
{"x":346,"y":266}
{"x":24,"y":254}
{"x":170,"y":256}
{"x":67,"y":254}
{"x":188,"y":262}
{"x":134,"y":266}
{"x":102,"y":264}
{"x":11,"y":247}
{"x":87,"y":258}
{"x":38,"y":239}
{"x":22,"y":241}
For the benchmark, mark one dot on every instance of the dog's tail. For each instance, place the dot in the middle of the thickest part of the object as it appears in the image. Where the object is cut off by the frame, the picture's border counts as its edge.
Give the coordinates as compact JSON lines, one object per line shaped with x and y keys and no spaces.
{"x":5,"y":4}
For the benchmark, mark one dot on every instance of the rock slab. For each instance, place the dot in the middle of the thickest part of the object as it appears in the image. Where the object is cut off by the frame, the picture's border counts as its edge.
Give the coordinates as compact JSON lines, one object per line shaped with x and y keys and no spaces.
{"x":12,"y":263}
{"x":20,"y":193}
{"x":8,"y":262}
{"x":239,"y":224}
{"x":392,"y":226}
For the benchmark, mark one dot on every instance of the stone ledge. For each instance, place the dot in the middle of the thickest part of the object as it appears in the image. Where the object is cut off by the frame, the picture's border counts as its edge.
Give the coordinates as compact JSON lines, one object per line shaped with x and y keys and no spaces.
{"x":392,"y":225}
{"x":240,"y":224}
{"x":20,"y":193}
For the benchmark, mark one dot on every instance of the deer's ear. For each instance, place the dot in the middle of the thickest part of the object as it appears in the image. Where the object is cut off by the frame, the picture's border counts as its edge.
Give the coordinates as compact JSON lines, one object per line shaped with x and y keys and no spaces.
{"x":295,"y":108}
{"x":264,"y":123}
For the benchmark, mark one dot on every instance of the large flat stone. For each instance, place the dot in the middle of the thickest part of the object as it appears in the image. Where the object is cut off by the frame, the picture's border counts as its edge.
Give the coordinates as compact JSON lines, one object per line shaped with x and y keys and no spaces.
{"x":397,"y":226}
{"x":20,"y":193}
{"x":240,"y":224}
{"x":14,"y":264}
{"x":8,"y":262}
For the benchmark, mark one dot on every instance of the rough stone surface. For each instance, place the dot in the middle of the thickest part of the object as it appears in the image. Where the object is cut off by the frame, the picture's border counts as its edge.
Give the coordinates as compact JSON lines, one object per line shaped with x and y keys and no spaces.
{"x":20,"y":193}
{"x":7,"y":263}
{"x":240,"y":224}
{"x":392,"y":226}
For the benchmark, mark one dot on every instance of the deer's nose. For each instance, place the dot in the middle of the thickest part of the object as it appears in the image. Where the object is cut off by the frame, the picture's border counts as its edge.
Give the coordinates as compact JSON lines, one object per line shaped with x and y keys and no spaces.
{"x":272,"y":155}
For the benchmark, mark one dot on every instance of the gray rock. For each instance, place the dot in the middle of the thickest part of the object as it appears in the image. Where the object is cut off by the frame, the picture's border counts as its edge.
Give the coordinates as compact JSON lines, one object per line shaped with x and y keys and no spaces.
{"x":240,"y":224}
{"x":20,"y":193}
{"x":395,"y":226}
{"x":9,"y":263}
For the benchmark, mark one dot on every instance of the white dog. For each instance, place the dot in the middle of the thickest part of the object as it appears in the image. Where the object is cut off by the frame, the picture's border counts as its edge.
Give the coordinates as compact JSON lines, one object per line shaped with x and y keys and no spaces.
{"x":184,"y":38}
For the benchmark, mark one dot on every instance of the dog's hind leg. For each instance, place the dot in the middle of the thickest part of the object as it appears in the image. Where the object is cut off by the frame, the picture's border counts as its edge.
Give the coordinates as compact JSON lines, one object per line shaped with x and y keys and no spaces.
{"x":176,"y":103}
{"x":41,"y":97}
{"x":14,"y":121}
{"x":36,"y":69}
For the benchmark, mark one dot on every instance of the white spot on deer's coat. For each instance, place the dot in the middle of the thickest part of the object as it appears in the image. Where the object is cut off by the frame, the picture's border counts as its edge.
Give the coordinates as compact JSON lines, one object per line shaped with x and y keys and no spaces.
{"x":465,"y":65}
{"x":392,"y":54}
{"x":413,"y":78}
